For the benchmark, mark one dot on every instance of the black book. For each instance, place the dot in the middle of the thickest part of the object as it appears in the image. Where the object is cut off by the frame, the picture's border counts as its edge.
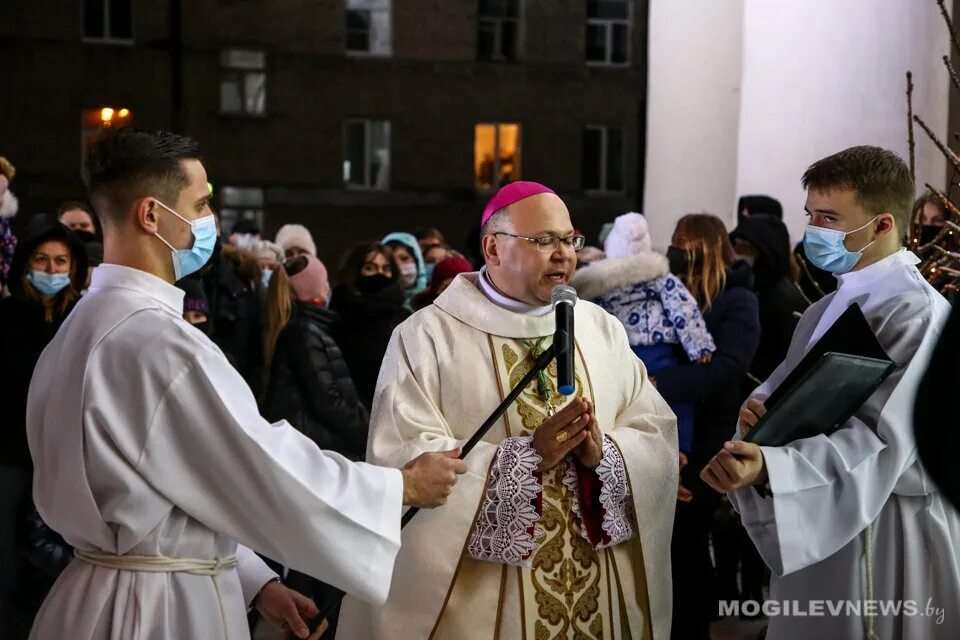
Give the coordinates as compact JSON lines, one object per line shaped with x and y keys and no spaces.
{"x":829,"y":385}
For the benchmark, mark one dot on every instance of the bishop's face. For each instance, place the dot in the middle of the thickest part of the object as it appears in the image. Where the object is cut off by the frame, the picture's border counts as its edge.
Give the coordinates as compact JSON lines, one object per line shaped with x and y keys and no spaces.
{"x":526,"y":270}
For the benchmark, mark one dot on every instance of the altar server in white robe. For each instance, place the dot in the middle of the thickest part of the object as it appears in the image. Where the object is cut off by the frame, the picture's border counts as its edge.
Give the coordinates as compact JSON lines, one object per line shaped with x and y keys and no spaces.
{"x":853,"y":517}
{"x":152,"y":459}
{"x":561,"y":528}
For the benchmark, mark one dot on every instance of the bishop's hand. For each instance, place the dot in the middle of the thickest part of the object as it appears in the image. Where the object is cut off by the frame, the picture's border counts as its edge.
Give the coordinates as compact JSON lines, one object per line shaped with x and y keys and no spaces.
{"x":560,"y":434}
{"x":590,"y":451}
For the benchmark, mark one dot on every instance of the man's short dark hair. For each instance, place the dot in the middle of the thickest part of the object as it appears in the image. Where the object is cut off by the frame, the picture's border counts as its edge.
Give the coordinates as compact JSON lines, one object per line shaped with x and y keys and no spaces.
{"x":70,"y":205}
{"x":127,"y":164}
{"x":880,"y":179}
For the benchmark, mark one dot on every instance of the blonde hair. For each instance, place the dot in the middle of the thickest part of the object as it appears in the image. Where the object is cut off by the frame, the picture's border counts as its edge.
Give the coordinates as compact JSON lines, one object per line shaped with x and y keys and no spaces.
{"x":7,"y":169}
{"x":280,"y":303}
{"x":709,"y":253}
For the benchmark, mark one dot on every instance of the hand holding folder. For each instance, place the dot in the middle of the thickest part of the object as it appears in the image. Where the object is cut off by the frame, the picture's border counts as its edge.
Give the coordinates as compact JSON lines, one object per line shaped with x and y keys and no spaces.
{"x":829,"y":385}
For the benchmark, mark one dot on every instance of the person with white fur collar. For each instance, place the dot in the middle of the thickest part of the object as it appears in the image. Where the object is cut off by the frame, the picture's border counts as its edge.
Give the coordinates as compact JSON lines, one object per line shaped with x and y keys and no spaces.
{"x":8,"y":209}
{"x":662,"y":318}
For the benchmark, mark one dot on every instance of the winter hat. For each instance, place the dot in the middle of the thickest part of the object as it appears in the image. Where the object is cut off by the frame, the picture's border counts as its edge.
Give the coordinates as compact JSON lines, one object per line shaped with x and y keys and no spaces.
{"x":449,"y":268}
{"x":757,"y":205}
{"x":410,"y":242}
{"x":296,"y":235}
{"x":194,"y":297}
{"x":312,"y":282}
{"x":510,"y":194}
{"x":629,"y":236}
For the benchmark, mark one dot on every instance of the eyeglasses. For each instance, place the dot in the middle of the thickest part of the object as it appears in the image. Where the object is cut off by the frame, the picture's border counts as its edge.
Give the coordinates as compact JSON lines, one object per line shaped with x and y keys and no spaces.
{"x":549,"y":244}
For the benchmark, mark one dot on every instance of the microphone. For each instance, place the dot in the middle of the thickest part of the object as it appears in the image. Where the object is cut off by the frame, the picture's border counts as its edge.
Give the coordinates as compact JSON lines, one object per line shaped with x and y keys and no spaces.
{"x":564,"y":298}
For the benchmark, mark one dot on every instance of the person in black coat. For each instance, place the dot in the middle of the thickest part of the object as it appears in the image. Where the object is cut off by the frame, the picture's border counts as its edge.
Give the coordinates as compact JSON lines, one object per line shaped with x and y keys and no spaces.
{"x":47,"y":273}
{"x":369,"y":301}
{"x":764,"y":243}
{"x":701,"y":255}
{"x":935,"y":415}
{"x":309,"y":384}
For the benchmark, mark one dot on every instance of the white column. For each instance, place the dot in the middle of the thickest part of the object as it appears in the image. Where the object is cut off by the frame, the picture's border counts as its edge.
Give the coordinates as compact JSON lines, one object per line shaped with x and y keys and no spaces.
{"x":823,"y":75}
{"x":693,"y":111}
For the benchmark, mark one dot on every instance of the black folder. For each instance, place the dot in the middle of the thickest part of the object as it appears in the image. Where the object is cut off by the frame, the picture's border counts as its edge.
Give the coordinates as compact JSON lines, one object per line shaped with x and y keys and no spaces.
{"x":829,"y":385}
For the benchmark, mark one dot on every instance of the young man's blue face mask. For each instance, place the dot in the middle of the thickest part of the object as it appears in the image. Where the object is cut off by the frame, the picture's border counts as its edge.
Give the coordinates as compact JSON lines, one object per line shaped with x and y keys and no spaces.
{"x":187,"y":261}
{"x":825,"y":248}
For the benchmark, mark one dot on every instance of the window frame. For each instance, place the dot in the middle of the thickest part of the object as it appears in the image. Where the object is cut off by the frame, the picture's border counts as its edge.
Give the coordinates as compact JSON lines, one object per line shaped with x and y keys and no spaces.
{"x":496,"y":152}
{"x":608,"y":24}
{"x":367,"y":151}
{"x":107,"y":38}
{"x":518,"y":22}
{"x":604,"y":157}
{"x":237,"y":212}
{"x":369,"y":53}
{"x":240,"y":73}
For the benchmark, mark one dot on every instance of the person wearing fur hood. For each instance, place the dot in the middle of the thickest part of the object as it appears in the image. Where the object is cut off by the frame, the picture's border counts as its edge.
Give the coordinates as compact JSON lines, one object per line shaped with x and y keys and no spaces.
{"x":8,"y":209}
{"x":662,"y":319}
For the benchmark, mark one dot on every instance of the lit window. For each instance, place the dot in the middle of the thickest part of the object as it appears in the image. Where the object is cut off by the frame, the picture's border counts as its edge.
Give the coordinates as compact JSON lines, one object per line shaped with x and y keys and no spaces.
{"x":608,"y":31}
{"x":93,"y":121}
{"x":496,"y":154}
{"x":368,"y":27}
{"x":366,"y":157}
{"x":497,"y":30}
{"x":108,"y":20}
{"x":603,"y":159}
{"x":243,"y":82}
{"x":240,"y":203}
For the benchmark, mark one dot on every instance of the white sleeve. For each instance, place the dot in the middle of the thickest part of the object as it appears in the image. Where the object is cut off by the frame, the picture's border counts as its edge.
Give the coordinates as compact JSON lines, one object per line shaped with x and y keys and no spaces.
{"x":253,"y":572}
{"x":827,"y":489}
{"x":269,"y":487}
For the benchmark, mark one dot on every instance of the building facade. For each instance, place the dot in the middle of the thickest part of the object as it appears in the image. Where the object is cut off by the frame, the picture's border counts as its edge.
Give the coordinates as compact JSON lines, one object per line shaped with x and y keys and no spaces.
{"x":354,"y":117}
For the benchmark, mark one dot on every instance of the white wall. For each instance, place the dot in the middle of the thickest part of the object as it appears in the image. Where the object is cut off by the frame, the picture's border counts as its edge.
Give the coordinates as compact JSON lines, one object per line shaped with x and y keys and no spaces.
{"x":823,"y":75}
{"x":693,"y":110}
{"x":817,"y":76}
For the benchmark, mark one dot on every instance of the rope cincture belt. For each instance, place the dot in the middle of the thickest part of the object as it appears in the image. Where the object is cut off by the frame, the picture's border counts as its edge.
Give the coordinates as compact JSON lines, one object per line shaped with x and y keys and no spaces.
{"x":157,"y":564}
{"x":163,"y":564}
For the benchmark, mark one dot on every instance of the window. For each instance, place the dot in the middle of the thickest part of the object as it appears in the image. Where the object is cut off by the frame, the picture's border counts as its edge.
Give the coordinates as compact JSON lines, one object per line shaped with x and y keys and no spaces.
{"x":603,"y":159}
{"x":93,"y":121}
{"x":608,"y":31}
{"x":243,"y":82}
{"x":240,"y":203}
{"x":496,"y":154}
{"x":366,"y":157}
{"x":368,"y":27}
{"x":108,"y":20}
{"x":497,"y":30}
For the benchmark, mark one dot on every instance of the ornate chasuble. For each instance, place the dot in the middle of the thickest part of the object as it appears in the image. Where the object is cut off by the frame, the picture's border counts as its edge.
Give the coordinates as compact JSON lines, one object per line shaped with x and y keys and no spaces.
{"x":571,"y":590}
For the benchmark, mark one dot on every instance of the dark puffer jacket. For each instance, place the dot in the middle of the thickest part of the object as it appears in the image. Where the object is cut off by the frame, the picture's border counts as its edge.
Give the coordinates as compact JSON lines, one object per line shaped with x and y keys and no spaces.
{"x":733,"y":321}
{"x":310,"y":385}
{"x":781,"y":301}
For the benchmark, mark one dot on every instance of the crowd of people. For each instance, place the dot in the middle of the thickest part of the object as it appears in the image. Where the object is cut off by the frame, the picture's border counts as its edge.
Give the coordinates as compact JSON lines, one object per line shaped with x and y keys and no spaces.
{"x":710,"y":319}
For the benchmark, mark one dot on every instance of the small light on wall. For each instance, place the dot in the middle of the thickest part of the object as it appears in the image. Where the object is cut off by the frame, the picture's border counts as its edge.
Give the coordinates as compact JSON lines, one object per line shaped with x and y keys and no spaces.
{"x":106,"y":114}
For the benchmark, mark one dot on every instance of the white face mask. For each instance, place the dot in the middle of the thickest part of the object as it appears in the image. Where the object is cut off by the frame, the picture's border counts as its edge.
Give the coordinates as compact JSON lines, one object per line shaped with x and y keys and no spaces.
{"x":408,"y":275}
